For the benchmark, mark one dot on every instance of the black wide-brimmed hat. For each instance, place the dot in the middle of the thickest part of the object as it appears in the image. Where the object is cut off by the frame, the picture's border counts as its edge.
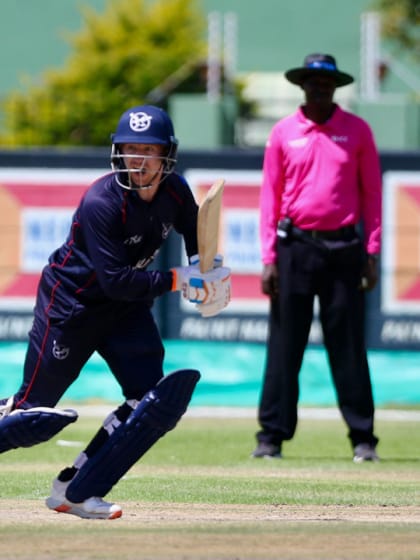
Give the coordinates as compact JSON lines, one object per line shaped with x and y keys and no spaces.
{"x":321,"y":65}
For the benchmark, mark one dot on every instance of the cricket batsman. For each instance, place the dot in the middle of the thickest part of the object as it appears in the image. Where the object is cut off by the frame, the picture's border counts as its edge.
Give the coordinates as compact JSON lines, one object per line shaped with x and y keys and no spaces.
{"x":95,"y":295}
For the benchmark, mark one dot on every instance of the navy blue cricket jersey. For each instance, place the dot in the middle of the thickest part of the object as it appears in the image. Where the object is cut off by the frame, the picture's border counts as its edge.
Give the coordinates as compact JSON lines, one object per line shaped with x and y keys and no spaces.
{"x":115,"y":235}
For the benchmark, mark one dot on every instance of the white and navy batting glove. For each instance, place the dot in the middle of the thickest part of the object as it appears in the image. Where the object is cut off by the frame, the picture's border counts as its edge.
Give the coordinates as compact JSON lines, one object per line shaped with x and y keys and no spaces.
{"x":215,"y":307}
{"x":194,"y":260}
{"x":206,"y":288}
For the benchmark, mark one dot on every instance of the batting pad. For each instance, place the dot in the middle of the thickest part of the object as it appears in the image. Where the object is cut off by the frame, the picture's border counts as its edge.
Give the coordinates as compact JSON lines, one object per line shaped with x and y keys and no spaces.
{"x":158,"y":412}
{"x":25,"y":428}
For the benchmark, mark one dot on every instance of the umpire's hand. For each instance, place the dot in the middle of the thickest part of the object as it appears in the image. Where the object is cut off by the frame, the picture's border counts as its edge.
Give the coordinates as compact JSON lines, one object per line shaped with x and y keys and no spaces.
{"x":370,"y":274}
{"x":269,"y":280}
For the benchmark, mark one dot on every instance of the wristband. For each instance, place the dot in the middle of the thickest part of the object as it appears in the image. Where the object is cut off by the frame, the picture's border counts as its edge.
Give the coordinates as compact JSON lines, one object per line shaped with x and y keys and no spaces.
{"x":174,"y":285}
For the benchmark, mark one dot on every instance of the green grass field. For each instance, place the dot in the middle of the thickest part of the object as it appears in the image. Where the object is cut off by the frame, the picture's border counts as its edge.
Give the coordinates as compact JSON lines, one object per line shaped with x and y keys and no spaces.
{"x":197,"y":494}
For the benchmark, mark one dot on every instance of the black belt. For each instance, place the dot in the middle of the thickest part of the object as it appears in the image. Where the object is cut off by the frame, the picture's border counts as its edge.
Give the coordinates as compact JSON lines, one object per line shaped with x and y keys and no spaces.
{"x":342,"y":234}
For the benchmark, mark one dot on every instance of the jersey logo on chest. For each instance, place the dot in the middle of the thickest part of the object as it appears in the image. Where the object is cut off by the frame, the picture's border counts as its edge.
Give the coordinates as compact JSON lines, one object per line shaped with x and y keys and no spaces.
{"x":133,"y":240}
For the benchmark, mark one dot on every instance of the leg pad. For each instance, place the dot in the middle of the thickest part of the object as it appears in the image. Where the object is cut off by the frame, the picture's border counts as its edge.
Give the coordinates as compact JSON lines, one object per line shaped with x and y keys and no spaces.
{"x":157,"y":413}
{"x":25,"y":428}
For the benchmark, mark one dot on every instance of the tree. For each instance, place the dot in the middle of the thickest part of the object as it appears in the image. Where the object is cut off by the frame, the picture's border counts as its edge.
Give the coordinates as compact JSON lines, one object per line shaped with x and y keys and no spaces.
{"x":117,"y":59}
{"x":401,"y":23}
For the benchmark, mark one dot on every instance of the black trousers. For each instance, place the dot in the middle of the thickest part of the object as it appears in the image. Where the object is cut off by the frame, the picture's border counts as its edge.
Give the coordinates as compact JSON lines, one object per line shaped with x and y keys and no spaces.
{"x":332,"y":271}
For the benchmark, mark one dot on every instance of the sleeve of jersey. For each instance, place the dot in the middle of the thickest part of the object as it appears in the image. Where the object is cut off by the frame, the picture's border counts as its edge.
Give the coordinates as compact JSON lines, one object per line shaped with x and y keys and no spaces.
{"x":100,"y":223}
{"x":371,"y":190}
{"x":270,"y":198}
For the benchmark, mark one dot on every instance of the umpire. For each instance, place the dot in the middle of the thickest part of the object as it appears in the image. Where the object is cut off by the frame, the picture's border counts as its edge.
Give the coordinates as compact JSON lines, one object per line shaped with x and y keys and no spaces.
{"x":321,"y":179}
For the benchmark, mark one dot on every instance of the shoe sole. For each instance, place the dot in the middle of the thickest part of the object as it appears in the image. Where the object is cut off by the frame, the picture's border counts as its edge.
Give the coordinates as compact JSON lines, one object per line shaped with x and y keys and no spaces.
{"x":59,"y":507}
{"x":365,"y":459}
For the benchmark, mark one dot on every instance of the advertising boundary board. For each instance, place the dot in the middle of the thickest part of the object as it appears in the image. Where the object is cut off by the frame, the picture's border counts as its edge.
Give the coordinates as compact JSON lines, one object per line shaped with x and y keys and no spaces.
{"x":393,"y":311}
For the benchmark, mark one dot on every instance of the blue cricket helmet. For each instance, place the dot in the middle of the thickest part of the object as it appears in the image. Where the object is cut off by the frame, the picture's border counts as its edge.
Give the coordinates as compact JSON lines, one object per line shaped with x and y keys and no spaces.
{"x":144,"y":124}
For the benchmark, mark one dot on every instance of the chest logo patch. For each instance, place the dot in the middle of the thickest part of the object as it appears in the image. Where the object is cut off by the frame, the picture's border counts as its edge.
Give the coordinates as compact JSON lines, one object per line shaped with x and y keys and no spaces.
{"x":133,"y":240}
{"x":166,"y":229}
{"x":298,"y":142}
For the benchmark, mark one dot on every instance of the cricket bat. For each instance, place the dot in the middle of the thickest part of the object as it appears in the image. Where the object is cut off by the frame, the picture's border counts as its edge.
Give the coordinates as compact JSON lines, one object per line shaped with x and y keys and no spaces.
{"x":208,"y":222}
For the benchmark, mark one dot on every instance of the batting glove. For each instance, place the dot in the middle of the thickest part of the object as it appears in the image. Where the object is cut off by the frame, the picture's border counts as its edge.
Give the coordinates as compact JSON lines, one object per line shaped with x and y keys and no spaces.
{"x":216,"y":306}
{"x":200,"y":288}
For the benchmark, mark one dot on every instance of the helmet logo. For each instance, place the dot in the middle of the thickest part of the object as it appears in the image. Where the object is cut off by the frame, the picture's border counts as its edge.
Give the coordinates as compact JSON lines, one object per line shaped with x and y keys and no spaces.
{"x":139,"y":122}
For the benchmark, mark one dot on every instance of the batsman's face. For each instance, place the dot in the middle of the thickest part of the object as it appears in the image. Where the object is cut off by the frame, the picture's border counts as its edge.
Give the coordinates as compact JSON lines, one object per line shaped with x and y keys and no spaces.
{"x":145,"y":164}
{"x":319,"y":90}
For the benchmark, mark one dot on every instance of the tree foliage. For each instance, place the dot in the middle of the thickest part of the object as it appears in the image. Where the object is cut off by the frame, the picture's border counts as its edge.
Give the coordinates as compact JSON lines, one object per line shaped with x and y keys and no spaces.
{"x":401,"y":23}
{"x":116,"y":60}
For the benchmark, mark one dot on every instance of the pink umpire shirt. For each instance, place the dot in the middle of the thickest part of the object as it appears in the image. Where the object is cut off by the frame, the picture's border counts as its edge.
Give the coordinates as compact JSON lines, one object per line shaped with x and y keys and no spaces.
{"x":322,"y":176}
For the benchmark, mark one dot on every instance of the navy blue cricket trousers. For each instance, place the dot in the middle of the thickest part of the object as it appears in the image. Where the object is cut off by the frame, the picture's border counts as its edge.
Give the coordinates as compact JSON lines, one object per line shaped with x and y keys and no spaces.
{"x":65,"y":333}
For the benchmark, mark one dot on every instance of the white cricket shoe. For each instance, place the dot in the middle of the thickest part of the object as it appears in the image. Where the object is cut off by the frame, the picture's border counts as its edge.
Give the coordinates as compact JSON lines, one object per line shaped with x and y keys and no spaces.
{"x":6,"y":406}
{"x":92,"y":508}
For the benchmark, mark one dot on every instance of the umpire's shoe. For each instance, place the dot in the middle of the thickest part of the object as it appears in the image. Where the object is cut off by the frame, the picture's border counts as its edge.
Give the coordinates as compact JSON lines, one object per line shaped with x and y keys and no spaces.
{"x":92,"y":508}
{"x":267,"y":451}
{"x":364,"y":452}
